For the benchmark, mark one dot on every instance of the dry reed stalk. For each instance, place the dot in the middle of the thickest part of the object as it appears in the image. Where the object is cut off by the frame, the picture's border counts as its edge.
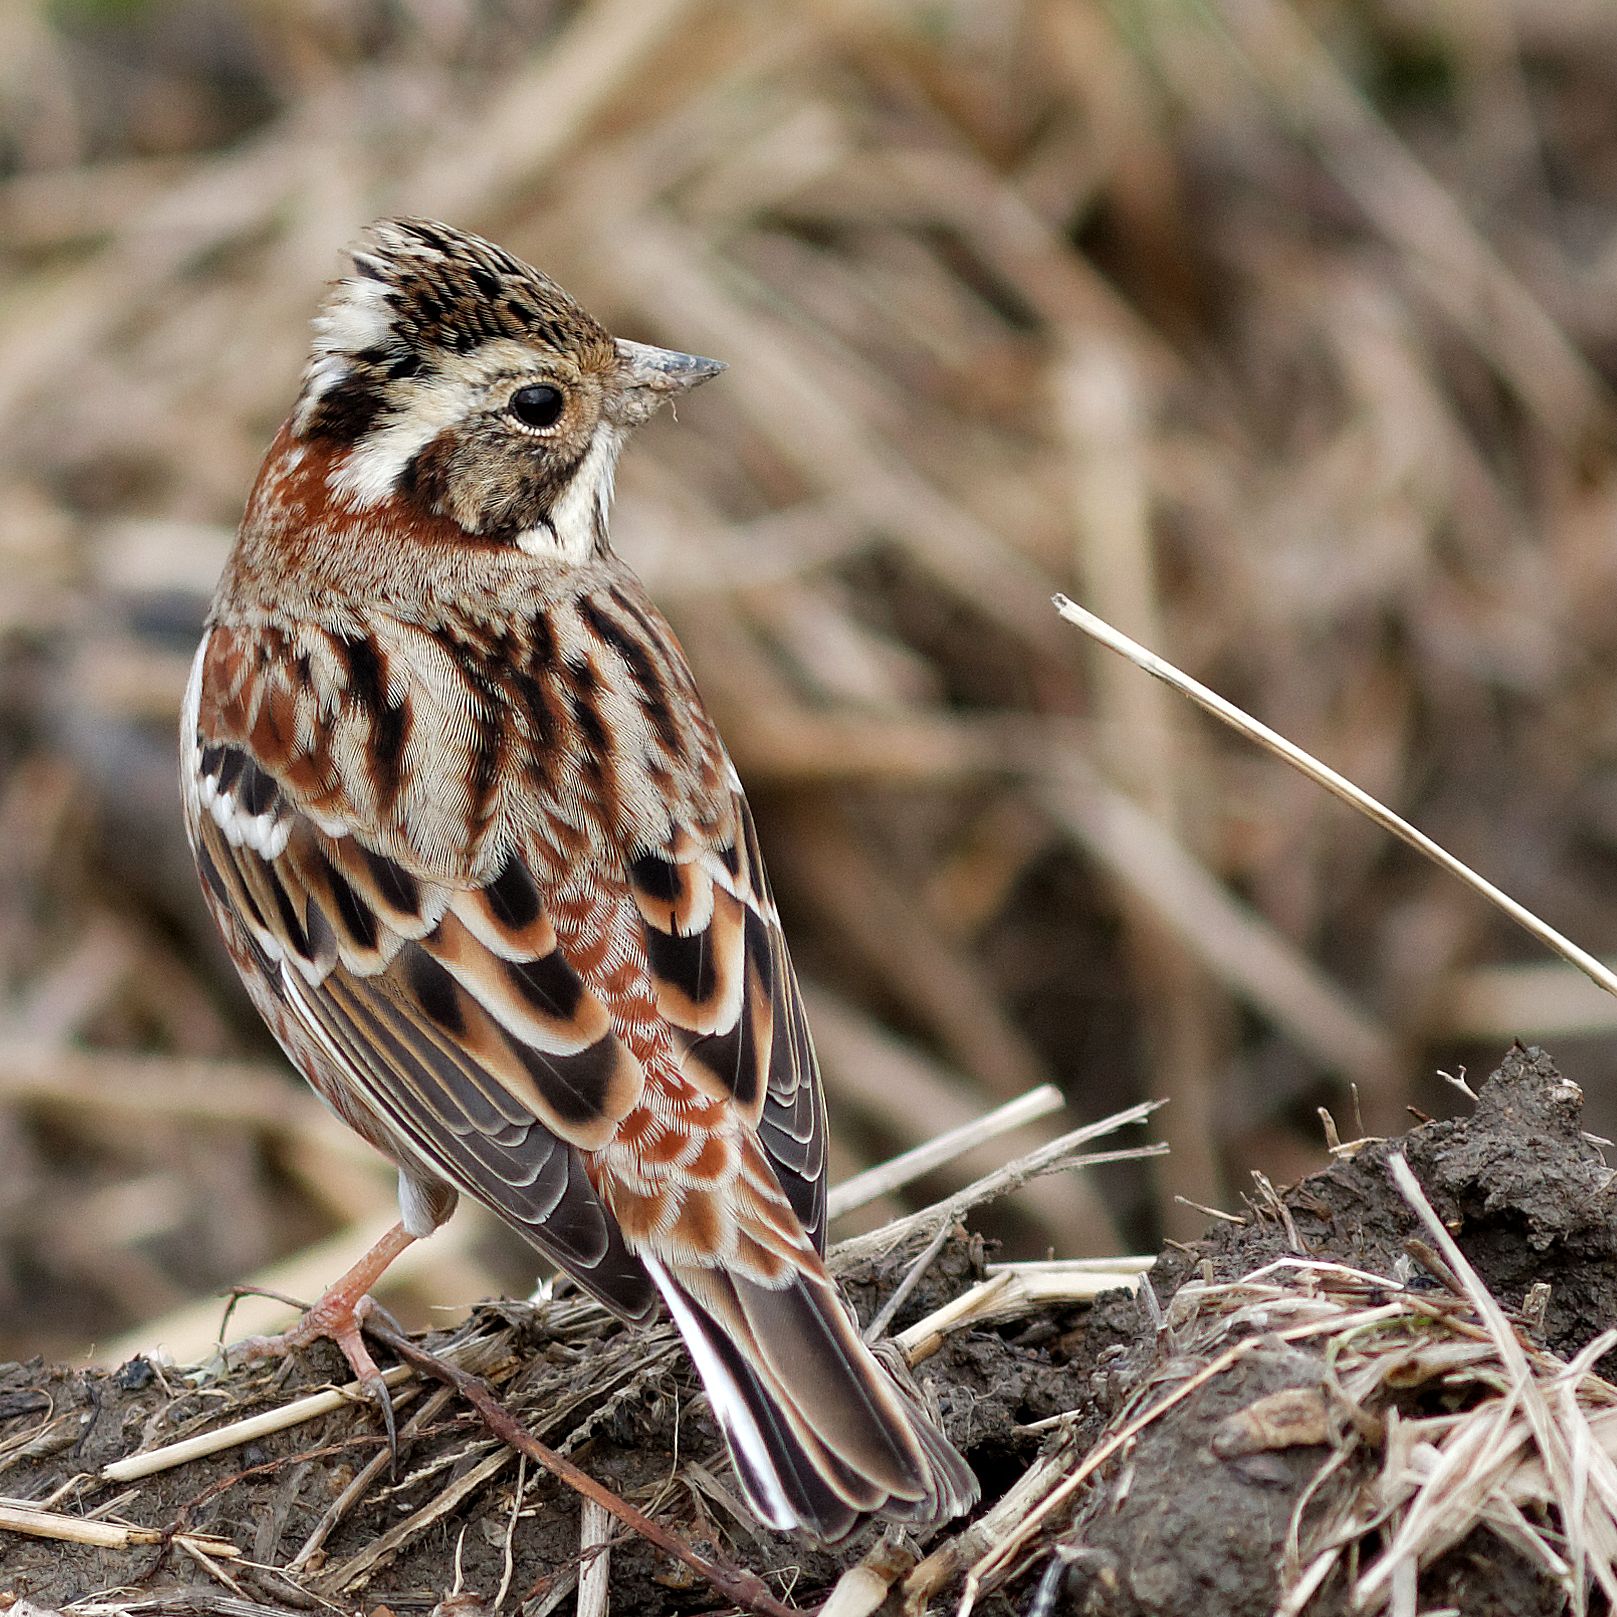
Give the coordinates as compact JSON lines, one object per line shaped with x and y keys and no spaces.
{"x":240,"y":1432}
{"x":1338,"y":786}
{"x":20,"y":1518}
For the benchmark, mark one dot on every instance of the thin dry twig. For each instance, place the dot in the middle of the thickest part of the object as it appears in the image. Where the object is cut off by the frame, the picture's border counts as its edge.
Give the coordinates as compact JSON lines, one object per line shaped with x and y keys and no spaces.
{"x":743,"y":1588}
{"x":1336,"y":784}
{"x":910,"y":1165}
{"x":35,"y":1523}
{"x":1059,"y":1155}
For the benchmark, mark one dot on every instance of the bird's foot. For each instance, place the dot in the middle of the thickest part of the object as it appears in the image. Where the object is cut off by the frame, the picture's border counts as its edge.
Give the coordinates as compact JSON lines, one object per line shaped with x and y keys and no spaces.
{"x":340,"y":1317}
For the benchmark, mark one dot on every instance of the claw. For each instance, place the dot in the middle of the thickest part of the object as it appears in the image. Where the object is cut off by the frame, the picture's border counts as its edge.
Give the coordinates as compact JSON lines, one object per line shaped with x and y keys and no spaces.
{"x":340,"y":1317}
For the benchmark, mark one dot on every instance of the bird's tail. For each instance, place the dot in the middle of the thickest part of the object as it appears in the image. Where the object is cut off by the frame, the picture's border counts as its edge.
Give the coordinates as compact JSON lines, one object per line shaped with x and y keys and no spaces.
{"x":821,"y":1435}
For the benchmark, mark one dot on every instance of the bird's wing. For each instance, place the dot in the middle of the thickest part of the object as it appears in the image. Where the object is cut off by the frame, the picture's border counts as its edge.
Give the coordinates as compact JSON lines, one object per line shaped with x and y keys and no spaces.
{"x":448,"y":1014}
{"x":453,"y":1020}
{"x":498,"y":1052}
{"x":726,"y":990}
{"x":709,"y":933}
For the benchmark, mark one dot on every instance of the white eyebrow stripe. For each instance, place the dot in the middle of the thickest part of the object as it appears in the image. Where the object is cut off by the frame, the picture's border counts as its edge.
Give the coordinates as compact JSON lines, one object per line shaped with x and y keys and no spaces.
{"x":370,"y":472}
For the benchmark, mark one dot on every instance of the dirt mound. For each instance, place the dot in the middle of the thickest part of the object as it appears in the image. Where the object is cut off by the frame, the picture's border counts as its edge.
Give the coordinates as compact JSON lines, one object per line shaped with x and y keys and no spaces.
{"x":1190,"y":1512}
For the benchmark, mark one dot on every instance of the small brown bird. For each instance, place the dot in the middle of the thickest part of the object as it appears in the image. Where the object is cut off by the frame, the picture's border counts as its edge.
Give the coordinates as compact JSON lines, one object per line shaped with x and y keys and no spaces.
{"x":487,"y":871}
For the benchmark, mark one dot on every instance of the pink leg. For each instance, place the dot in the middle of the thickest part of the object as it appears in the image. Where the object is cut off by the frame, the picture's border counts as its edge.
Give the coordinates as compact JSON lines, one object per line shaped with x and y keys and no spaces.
{"x":339,"y":1317}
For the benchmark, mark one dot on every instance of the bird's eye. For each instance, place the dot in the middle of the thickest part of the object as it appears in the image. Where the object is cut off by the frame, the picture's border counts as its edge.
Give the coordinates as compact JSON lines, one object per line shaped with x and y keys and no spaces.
{"x":537,"y":405}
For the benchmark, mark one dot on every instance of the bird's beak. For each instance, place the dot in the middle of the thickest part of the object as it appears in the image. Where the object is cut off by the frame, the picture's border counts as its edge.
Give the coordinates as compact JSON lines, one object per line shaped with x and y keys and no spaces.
{"x":662,"y":371}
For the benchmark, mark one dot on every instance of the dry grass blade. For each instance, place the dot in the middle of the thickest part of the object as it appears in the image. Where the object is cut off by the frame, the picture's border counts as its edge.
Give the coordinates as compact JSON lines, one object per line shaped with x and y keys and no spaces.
{"x":1337,"y":785}
{"x":1103,"y":405}
{"x":442,"y":1508}
{"x":1495,"y":1002}
{"x":1004,"y":1551}
{"x":1433,"y":1416}
{"x":1012,"y":1291}
{"x":1058,"y":1156}
{"x":364,"y":1477}
{"x":964,"y":1549}
{"x":19,"y":1518}
{"x":910,"y":1165}
{"x":247,"y":1430}
{"x":1580,"y":1472}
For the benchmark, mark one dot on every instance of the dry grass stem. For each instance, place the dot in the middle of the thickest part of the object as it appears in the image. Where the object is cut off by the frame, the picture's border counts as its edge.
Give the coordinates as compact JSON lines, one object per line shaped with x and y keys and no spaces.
{"x":19,"y":1518}
{"x":1058,"y":1156}
{"x":1336,"y":784}
{"x":911,"y":1165}
{"x":247,"y":1430}
{"x":594,"y":1559}
{"x":863,"y":1588}
{"x":1010,"y":1292}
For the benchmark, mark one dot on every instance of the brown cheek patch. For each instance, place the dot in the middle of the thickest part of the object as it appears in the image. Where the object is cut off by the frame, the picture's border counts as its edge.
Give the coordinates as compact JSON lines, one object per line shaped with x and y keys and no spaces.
{"x":425,"y":479}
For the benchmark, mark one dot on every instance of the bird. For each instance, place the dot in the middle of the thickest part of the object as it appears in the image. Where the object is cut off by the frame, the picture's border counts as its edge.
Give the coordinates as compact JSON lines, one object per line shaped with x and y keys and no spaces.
{"x":487,"y":871}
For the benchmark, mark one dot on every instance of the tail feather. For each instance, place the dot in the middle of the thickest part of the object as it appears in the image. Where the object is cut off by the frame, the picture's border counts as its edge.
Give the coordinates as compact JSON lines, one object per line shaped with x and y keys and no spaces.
{"x":785,"y":1491}
{"x":820,"y":1433}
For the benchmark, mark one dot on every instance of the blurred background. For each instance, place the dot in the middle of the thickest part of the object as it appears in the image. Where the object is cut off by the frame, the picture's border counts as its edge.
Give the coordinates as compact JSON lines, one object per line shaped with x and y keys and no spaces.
{"x":1280,"y":332}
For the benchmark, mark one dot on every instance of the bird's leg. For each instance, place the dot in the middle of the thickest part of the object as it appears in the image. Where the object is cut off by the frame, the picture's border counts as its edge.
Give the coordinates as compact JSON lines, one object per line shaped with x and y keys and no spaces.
{"x":339,"y":1316}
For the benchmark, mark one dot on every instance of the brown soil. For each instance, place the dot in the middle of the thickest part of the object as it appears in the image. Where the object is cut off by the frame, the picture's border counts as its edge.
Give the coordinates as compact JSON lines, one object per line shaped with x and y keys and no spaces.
{"x":1525,"y":1192}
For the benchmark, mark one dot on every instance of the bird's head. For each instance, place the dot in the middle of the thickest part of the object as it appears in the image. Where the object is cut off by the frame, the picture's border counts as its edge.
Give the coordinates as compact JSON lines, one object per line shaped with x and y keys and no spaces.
{"x":453,"y":376}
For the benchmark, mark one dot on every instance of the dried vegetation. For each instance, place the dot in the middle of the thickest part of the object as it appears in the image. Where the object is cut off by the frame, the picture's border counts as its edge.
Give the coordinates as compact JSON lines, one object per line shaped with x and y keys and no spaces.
{"x":1280,"y":333}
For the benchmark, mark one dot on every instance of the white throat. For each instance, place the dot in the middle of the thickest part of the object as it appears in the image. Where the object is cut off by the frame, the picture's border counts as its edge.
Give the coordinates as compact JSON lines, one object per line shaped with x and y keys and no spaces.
{"x":578,"y":519}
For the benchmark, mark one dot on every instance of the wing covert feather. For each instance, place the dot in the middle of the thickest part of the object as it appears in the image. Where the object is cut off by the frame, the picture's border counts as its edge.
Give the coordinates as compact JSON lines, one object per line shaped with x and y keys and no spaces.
{"x":726,"y":986}
{"x":451,"y":1016}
